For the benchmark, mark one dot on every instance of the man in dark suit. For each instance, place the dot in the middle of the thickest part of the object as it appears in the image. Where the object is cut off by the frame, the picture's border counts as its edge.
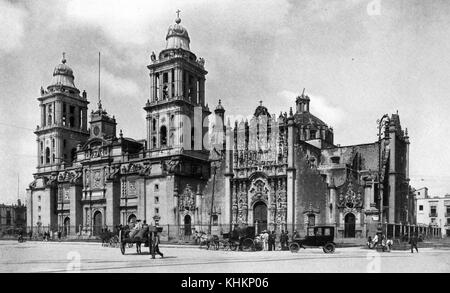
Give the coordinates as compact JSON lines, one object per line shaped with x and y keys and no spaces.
{"x":156,"y":245}
{"x":272,"y":237}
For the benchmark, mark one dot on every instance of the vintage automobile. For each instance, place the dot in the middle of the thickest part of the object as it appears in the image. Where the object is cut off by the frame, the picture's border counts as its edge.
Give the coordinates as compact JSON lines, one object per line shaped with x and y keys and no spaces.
{"x":318,"y":236}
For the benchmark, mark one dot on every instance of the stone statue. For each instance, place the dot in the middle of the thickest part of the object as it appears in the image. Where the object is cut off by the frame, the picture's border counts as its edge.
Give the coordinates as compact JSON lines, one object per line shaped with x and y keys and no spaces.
{"x":153,"y":57}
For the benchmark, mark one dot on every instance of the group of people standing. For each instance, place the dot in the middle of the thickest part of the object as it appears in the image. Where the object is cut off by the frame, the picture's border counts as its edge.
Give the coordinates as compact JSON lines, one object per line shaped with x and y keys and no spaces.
{"x":269,"y":240}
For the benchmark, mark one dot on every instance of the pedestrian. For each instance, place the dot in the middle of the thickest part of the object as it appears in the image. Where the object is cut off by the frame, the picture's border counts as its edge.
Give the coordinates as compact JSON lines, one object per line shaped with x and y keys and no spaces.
{"x":295,"y":236}
{"x":413,"y":242}
{"x":282,"y":237}
{"x":272,"y":238}
{"x":286,"y":240}
{"x":265,"y":240}
{"x":156,"y":245}
{"x":59,"y":235}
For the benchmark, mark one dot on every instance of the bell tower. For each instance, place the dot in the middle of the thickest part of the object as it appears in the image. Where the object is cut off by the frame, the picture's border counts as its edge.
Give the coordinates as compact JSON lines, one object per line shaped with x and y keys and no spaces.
{"x":63,"y":120}
{"x":176,"y":109}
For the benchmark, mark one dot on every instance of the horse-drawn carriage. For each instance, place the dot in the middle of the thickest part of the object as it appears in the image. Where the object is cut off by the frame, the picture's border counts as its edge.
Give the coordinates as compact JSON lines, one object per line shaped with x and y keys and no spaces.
{"x":249,"y":241}
{"x":146,"y":236}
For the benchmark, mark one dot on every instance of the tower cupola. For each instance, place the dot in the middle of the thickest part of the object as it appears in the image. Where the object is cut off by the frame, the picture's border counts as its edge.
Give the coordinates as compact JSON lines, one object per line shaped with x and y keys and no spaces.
{"x":62,"y":76}
{"x":302,"y":103}
{"x":177,"y":36}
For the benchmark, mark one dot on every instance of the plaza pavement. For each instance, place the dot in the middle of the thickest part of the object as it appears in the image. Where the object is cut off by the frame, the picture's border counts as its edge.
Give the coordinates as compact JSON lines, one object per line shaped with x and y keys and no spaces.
{"x":33,"y":256}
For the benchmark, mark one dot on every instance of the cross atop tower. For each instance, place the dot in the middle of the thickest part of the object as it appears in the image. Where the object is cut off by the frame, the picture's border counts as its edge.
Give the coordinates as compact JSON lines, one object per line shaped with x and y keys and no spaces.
{"x":178,"y":13}
{"x":64,"y":58}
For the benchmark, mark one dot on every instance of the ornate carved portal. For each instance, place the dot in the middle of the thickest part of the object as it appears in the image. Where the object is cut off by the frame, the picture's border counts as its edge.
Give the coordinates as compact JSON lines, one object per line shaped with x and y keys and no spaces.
{"x":187,"y":199}
{"x":350,"y":199}
{"x":270,"y":191}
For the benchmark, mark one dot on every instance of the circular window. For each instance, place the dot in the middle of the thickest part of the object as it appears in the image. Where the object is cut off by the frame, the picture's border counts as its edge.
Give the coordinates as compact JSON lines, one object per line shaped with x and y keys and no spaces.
{"x":96,"y":130}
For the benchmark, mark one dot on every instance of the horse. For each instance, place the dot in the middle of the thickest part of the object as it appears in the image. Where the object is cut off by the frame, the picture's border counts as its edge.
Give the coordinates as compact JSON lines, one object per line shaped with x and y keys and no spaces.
{"x":209,"y":240}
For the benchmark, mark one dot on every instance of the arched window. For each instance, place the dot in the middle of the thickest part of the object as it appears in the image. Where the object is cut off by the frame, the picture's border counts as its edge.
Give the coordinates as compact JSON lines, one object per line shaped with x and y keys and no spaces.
{"x":49,"y":120}
{"x":154,"y":125}
{"x":163,"y":136}
{"x":154,"y":142}
{"x":71,"y":121}
{"x":47,"y":155}
{"x":53,"y":158}
{"x":53,"y":143}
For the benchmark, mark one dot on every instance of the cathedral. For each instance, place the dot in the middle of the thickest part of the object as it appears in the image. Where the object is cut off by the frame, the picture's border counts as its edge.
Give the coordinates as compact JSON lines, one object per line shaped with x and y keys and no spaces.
{"x":272,"y":172}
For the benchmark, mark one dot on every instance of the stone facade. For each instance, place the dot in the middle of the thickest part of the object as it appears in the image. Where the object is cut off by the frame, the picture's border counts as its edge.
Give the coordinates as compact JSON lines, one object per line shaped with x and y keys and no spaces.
{"x":272,"y":172}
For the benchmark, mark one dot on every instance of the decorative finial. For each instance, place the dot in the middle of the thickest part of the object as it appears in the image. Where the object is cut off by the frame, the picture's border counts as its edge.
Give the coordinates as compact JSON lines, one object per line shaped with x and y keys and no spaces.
{"x":64,"y":58}
{"x":220,"y":102}
{"x":260,"y":103}
{"x":120,"y":133}
{"x":303,"y":93}
{"x":290,"y":112}
{"x":178,"y":19}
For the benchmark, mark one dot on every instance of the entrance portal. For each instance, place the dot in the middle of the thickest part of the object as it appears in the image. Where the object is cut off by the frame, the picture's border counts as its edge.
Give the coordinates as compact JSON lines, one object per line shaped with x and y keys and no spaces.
{"x":66,"y":226}
{"x":187,"y":226}
{"x":97,"y":223}
{"x":350,"y":223}
{"x":132,"y":219}
{"x":260,"y":216}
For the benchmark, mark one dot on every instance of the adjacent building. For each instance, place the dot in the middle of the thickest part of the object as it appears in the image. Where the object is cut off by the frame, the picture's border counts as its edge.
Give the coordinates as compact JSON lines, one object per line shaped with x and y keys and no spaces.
{"x":433,"y":211}
{"x":12,"y":217}
{"x":270,"y":171}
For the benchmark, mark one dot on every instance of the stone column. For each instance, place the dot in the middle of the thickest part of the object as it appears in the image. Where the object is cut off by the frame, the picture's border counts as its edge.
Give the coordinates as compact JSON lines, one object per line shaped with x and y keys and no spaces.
{"x":332,"y":213}
{"x":392,"y":174}
{"x":152,"y":87}
{"x":291,"y":176}
{"x":42,"y":114}
{"x":58,"y":114}
{"x":169,"y":85}
{"x":149,"y":131}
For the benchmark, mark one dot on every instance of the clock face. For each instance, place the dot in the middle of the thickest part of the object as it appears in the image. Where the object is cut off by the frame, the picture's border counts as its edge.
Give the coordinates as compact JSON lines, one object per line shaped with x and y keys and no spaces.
{"x":96,"y":130}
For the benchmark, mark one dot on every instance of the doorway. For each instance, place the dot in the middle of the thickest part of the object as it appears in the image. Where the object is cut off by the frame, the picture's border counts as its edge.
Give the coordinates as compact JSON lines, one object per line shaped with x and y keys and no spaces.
{"x":187,"y":225}
{"x":260,"y":216}
{"x":97,"y":223}
{"x":350,"y":223}
{"x":66,"y":226}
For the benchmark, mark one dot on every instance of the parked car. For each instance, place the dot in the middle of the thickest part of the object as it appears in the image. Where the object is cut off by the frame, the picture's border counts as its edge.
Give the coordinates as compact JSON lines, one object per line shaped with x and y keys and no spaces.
{"x":318,"y":236}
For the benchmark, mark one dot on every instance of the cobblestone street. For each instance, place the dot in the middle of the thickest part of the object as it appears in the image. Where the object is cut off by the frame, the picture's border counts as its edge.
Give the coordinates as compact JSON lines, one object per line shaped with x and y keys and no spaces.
{"x":92,"y":257}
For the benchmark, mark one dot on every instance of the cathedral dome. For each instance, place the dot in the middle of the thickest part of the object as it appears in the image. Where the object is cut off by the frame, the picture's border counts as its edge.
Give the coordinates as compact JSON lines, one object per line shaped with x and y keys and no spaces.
{"x":63,"y":75}
{"x":177,"y":36}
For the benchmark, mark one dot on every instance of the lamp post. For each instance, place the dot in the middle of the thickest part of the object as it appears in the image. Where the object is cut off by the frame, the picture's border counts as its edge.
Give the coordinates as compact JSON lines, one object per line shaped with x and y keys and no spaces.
{"x":386,"y":120}
{"x":215,"y":164}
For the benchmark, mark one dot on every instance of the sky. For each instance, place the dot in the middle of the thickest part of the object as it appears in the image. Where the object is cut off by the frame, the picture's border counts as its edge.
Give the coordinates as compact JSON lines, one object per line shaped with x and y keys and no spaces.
{"x":357,"y":60}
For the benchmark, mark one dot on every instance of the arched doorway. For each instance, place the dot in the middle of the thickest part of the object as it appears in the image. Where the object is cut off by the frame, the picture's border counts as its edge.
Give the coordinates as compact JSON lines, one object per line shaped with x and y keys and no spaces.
{"x":97,"y":223}
{"x":66,"y":226}
{"x":349,"y":231}
{"x":131,"y":219}
{"x":260,"y":216}
{"x":187,"y":225}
